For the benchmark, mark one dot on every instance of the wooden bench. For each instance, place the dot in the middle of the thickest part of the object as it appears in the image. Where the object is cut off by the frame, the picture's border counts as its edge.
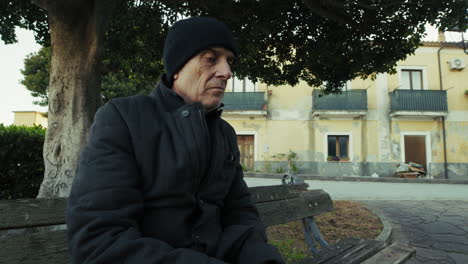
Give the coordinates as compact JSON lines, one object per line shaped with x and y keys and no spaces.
{"x":276,"y":204}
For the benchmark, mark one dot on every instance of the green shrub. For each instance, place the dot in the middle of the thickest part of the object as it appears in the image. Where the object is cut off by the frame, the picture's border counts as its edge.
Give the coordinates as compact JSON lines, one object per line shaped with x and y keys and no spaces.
{"x":21,"y":162}
{"x":279,"y":170}
{"x":291,"y":157}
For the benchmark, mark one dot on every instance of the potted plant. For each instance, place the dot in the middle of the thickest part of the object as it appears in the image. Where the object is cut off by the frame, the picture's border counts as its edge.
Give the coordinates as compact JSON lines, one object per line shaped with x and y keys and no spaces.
{"x":333,"y":158}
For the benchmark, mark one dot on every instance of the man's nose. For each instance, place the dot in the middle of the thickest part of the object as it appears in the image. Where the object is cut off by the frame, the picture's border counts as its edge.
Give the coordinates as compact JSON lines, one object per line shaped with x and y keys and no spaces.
{"x":224,"y":70}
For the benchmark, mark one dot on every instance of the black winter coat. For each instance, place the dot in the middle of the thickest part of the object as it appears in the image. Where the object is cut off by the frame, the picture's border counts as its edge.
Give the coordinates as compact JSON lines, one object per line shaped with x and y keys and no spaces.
{"x":160,"y":182}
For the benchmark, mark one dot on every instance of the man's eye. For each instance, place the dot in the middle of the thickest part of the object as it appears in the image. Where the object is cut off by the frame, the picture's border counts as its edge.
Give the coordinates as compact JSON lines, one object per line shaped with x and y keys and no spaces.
{"x":211,"y":59}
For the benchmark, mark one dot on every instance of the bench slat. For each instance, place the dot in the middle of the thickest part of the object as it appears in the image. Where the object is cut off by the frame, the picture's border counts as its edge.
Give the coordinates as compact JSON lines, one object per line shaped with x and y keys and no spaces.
{"x":348,"y":251}
{"x":356,"y":255}
{"x":313,"y":202}
{"x":394,"y":254}
{"x":276,"y":204}
{"x":51,"y":247}
{"x":329,"y":253}
{"x":36,"y":248}
{"x":262,"y":194}
{"x":24,"y":213}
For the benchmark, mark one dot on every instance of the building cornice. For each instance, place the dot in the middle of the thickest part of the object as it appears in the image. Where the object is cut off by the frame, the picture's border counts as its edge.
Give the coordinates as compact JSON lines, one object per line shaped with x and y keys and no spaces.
{"x":441,"y":44}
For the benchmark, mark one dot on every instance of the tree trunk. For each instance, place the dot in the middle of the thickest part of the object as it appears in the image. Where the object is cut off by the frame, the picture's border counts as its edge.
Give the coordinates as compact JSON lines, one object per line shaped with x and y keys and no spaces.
{"x":77,"y":31}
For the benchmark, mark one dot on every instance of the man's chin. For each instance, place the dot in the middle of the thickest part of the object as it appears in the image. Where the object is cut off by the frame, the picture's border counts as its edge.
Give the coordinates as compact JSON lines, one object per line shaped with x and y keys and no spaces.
{"x":211,"y":106}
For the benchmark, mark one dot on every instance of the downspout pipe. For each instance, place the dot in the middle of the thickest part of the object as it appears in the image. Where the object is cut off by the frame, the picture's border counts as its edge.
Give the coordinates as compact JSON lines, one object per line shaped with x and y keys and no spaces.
{"x":465,"y":48}
{"x":443,"y":118}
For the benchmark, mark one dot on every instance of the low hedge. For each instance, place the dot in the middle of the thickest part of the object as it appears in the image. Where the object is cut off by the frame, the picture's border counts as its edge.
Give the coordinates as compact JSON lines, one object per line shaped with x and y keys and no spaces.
{"x":21,"y":161}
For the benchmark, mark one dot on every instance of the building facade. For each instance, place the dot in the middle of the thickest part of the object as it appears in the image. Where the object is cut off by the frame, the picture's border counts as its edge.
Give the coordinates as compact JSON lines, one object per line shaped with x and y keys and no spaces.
{"x":419,"y":114}
{"x":30,"y":118}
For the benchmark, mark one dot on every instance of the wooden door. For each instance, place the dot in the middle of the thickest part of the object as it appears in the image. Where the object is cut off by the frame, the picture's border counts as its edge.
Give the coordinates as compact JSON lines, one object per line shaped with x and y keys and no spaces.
{"x":246,"y":148}
{"x":415,"y":150}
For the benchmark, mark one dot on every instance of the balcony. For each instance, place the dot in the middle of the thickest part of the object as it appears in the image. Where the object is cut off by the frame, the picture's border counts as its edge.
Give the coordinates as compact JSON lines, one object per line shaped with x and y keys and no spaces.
{"x":245,"y":103}
{"x":425,"y":103}
{"x":352,"y":103}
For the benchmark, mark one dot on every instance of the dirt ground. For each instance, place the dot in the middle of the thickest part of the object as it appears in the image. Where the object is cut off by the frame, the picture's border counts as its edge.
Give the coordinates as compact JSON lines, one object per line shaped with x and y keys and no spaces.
{"x":349,"y":219}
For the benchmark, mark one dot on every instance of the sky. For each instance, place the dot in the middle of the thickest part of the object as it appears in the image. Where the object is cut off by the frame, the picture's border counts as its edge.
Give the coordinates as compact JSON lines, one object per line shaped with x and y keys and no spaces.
{"x":15,"y":97}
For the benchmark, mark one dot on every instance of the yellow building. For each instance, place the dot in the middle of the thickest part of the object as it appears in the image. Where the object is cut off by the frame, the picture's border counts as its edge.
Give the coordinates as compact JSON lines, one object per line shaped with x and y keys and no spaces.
{"x":419,"y":114}
{"x":29,"y":118}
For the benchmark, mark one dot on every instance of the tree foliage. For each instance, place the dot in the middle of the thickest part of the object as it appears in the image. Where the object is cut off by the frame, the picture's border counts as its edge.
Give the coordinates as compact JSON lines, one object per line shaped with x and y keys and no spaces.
{"x":24,"y":14}
{"x":281,"y":42}
{"x":116,"y":83}
{"x":132,"y":55}
{"x":133,"y":47}
{"x":36,"y":74}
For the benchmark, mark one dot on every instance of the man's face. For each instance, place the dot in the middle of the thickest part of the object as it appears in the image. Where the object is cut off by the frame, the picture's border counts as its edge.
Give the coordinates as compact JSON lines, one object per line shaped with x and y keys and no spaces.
{"x":203,"y":78}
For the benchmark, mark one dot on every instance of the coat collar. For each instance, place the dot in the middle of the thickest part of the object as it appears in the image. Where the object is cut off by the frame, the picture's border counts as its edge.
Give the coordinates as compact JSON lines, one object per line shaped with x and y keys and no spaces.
{"x":172,"y":101}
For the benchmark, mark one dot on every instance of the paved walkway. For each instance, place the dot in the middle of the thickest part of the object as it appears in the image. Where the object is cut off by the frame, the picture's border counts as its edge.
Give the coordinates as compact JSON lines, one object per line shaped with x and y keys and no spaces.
{"x":354,"y":190}
{"x":433,"y":218}
{"x":437,"y":229}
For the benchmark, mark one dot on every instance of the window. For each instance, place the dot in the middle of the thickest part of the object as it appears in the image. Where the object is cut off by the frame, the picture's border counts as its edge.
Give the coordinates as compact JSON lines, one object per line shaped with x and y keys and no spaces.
{"x":338,"y":148}
{"x":346,"y":86}
{"x":411,"y":79}
{"x":241,"y":85}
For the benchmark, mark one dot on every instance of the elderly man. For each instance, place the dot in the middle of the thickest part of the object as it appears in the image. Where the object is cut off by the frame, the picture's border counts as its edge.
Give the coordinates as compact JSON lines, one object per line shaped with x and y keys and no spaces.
{"x":159,"y":180}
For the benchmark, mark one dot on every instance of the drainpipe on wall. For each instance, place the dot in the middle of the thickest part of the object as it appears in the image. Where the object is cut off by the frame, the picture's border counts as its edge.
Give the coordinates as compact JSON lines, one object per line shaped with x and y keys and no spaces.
{"x":465,"y":48}
{"x":443,"y":118}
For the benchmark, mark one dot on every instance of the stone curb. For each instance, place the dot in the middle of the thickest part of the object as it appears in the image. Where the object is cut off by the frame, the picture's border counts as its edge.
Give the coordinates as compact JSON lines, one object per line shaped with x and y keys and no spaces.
{"x":355,"y":178}
{"x":387,"y":226}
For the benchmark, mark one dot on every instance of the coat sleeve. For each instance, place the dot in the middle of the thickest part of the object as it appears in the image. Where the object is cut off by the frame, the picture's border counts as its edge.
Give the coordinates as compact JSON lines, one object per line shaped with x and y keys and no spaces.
{"x":240,"y":212}
{"x":106,"y":203}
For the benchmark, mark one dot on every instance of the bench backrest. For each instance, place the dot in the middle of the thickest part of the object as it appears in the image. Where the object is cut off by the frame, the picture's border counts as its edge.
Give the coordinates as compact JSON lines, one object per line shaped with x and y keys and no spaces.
{"x":276,"y":204}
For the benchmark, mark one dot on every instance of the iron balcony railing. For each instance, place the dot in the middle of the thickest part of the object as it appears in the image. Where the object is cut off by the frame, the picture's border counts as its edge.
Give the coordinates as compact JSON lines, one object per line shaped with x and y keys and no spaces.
{"x":355,"y":99}
{"x":418,"y":100}
{"x":244,"y":100}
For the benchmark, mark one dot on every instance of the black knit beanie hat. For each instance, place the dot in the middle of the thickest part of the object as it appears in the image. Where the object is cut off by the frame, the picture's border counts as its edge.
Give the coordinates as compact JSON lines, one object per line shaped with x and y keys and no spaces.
{"x":189,"y":36}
